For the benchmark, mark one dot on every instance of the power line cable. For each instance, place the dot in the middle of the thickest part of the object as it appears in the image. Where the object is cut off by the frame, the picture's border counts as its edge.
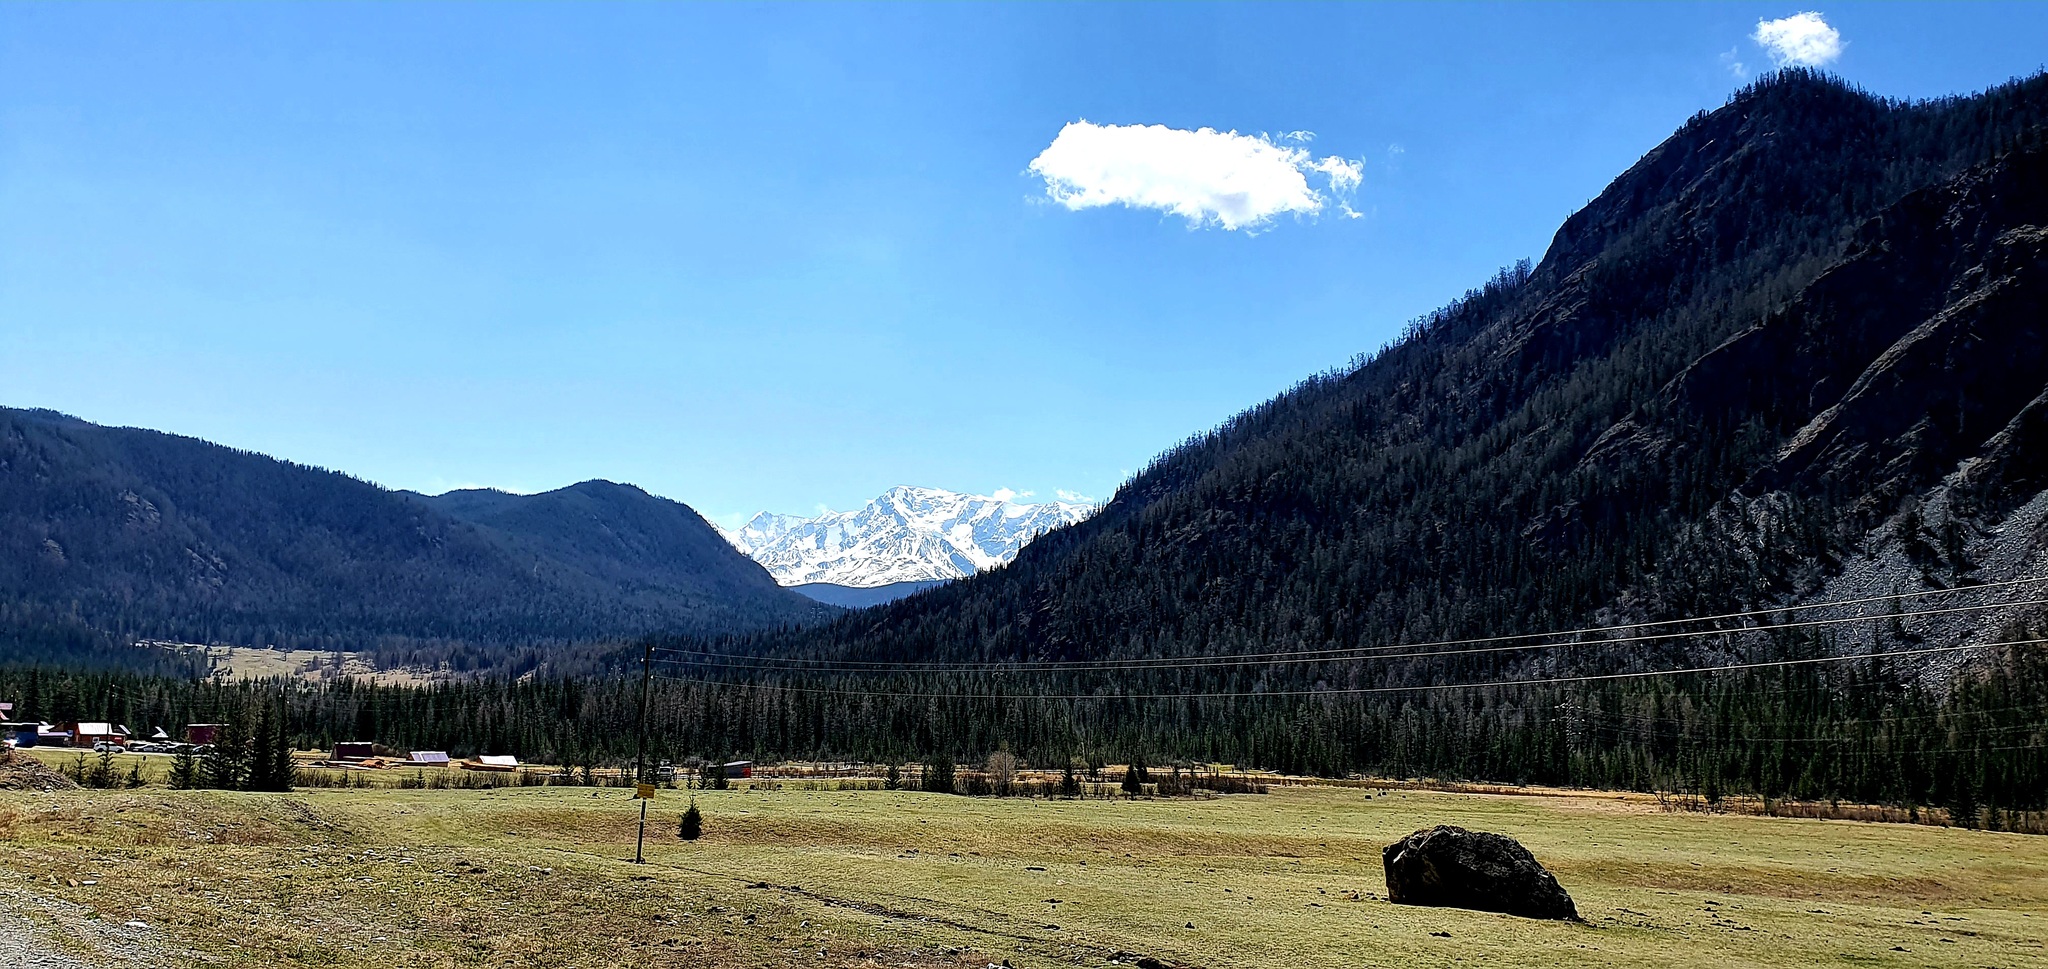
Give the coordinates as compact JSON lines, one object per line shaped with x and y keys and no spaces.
{"x":1354,"y":691}
{"x":1835,"y":603}
{"x":1933,"y":715}
{"x":1683,"y":738}
{"x":1338,"y":654}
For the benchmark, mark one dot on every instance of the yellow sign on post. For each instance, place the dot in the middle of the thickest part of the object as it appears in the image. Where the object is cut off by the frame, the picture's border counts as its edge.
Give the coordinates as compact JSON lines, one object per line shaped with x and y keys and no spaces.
{"x":645,"y":793}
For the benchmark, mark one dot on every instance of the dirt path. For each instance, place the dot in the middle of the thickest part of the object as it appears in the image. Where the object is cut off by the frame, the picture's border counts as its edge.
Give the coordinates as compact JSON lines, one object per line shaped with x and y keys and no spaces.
{"x":24,"y":945}
{"x":21,"y":949}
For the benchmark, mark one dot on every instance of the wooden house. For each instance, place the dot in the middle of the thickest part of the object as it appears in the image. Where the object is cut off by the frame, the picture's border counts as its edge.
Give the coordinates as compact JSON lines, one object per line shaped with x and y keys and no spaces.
{"x":88,"y":733}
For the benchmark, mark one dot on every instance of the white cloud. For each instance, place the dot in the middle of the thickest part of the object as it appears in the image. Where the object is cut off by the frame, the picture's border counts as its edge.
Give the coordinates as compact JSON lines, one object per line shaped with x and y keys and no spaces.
{"x":1073,"y":497}
{"x":1345,"y":173}
{"x":1732,"y":60}
{"x":1801,"y":40}
{"x":1205,"y":176}
{"x":1003,"y":494}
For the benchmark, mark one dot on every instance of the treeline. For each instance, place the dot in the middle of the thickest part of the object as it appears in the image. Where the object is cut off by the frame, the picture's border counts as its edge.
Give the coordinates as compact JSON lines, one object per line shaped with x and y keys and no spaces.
{"x":251,"y":751}
{"x":1862,"y":733}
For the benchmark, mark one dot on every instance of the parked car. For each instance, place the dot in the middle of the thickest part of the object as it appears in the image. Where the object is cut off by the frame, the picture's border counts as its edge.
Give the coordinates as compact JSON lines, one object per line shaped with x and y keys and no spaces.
{"x":108,"y":747}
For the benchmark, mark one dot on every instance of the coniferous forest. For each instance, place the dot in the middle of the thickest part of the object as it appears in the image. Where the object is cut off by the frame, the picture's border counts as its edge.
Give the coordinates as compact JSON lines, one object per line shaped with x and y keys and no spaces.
{"x":1791,"y":733}
{"x":1794,"y":356}
{"x":111,"y":535}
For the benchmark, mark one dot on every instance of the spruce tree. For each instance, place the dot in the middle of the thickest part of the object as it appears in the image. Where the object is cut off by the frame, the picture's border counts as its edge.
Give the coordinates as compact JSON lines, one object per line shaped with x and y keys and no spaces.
{"x":1962,"y":807}
{"x":270,"y":755}
{"x":262,"y":753}
{"x":226,"y":767}
{"x":185,"y":769}
{"x":101,"y":773}
{"x":692,"y":826}
{"x":938,"y":775}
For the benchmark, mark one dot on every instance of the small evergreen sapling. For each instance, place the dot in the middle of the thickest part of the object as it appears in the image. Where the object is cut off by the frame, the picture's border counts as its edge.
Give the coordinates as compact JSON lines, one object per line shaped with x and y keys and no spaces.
{"x":692,"y":827}
{"x":102,"y":774}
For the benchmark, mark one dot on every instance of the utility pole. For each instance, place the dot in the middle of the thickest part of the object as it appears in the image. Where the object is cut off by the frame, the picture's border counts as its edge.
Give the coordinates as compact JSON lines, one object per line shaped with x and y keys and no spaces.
{"x":640,"y":785}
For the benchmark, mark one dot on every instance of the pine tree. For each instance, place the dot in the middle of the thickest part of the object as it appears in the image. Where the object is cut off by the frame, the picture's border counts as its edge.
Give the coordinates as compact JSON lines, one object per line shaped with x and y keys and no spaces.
{"x":1962,"y":807}
{"x":262,"y":753}
{"x":938,"y":775}
{"x":185,"y":769}
{"x":101,"y":774}
{"x":226,"y":767}
{"x":270,"y":755}
{"x":692,"y":826}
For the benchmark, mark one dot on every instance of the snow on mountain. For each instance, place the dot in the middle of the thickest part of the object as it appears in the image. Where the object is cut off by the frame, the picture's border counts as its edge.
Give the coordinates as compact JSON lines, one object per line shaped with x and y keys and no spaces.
{"x":906,"y":535}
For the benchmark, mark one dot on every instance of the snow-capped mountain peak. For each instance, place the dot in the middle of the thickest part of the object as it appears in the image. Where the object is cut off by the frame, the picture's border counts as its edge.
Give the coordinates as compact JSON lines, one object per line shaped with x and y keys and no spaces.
{"x":906,"y":534}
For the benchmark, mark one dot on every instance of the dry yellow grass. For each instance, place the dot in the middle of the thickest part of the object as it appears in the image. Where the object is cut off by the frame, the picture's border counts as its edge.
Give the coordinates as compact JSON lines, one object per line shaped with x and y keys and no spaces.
{"x":249,"y":663}
{"x":540,"y":876}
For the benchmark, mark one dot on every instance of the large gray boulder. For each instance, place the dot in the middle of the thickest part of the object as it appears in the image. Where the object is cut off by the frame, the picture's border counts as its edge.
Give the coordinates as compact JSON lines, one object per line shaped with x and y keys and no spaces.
{"x":1455,"y":868}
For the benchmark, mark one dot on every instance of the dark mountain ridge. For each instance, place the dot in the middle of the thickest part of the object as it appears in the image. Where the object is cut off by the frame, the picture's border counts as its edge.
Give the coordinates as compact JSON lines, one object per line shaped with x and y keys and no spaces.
{"x":1726,"y":381}
{"x":1793,"y":355}
{"x":116,"y":534}
{"x":614,"y":541}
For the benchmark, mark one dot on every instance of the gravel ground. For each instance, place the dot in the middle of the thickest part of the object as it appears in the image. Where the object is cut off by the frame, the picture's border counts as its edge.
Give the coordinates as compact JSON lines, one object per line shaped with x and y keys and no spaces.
{"x":21,"y":949}
{"x":24,"y":946}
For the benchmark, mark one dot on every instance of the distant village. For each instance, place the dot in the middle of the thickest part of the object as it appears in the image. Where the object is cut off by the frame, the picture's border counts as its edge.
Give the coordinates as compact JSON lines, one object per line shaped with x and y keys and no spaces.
{"x":198,"y":739}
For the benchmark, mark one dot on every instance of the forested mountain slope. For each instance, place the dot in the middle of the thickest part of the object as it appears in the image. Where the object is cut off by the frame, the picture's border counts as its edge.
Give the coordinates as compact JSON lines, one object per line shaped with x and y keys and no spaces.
{"x":1795,"y":351}
{"x":615,"y":542}
{"x":109,"y":534}
{"x":1793,"y":355}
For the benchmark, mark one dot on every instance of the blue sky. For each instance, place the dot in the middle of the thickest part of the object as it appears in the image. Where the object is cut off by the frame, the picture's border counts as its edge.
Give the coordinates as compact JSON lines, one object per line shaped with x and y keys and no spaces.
{"x":787,"y":256}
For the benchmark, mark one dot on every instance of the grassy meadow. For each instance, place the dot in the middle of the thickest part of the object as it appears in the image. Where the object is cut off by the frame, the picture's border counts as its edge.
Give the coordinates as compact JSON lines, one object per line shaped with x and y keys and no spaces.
{"x":542,"y":877}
